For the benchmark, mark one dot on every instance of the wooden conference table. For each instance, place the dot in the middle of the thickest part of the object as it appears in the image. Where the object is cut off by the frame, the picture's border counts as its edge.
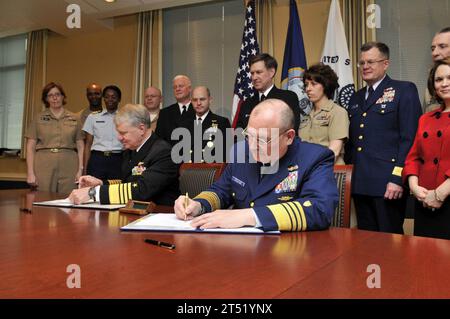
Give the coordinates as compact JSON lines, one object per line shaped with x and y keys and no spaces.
{"x":37,"y":247}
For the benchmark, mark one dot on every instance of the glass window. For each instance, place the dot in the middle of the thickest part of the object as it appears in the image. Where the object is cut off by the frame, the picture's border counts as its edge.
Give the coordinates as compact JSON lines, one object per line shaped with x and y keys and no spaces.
{"x":203,"y":42}
{"x":408,"y":28}
{"x":12,"y":90}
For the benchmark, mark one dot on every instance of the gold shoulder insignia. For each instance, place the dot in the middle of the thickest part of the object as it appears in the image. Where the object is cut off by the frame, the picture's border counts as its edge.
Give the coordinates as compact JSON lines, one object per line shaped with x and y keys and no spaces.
{"x":135,"y":185}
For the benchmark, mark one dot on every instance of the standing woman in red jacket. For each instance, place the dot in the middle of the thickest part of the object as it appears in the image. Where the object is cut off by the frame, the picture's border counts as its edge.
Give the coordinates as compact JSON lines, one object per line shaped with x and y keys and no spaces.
{"x":427,"y":167}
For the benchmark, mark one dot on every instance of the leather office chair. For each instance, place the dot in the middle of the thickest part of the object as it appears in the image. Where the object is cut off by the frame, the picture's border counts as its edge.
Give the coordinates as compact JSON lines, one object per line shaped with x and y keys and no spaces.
{"x":343,"y":175}
{"x":194,"y":178}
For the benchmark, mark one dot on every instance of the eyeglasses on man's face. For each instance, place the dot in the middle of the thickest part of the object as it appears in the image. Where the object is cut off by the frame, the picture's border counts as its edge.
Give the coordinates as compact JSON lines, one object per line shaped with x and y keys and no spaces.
{"x":261,"y":142}
{"x":369,"y":63}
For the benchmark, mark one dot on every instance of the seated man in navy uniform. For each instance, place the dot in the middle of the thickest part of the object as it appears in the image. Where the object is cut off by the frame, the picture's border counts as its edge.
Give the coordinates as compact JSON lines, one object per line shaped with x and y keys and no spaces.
{"x":274,"y":181}
{"x":148,"y":172}
{"x":383,"y":121}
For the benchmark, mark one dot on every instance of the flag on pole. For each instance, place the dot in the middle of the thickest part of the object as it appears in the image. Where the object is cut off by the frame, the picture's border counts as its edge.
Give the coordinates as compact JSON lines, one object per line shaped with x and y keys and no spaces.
{"x":243,"y":87}
{"x":294,"y":62}
{"x":335,"y":54}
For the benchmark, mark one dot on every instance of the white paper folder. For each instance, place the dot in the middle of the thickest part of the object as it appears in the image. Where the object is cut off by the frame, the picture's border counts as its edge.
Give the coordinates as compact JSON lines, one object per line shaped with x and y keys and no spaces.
{"x":89,"y":205}
{"x":169,"y":222}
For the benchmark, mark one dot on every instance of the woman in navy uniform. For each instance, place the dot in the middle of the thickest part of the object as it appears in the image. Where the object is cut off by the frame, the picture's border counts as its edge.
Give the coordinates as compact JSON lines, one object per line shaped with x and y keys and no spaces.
{"x":327,"y":123}
{"x":54,"y":144}
{"x":427,"y":166}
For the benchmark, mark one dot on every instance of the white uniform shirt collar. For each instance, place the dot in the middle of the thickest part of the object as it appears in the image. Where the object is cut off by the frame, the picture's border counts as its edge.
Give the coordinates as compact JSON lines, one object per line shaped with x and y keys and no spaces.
{"x":202,"y":117}
{"x":266,"y":92}
{"x":180,"y":105}
{"x":145,"y":141}
{"x":374,"y":86}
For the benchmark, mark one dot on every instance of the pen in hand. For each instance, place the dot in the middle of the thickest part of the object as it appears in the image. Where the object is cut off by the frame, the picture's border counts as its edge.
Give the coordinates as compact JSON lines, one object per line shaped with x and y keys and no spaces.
{"x":159,"y":243}
{"x":186,"y":203}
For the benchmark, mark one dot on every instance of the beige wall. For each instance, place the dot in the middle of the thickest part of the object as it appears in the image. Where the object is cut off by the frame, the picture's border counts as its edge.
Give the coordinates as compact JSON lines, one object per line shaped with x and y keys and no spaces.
{"x":105,"y":57}
{"x":313,"y":19}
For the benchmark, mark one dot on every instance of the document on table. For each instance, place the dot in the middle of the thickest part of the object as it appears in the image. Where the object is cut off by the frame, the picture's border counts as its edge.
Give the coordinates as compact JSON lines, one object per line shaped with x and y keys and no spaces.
{"x":169,"y":222}
{"x":88,"y":205}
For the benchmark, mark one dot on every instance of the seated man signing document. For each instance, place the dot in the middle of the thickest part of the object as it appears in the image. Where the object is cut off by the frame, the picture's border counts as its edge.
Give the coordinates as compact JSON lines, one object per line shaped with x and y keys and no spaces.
{"x":148,"y":172}
{"x":274,"y":180}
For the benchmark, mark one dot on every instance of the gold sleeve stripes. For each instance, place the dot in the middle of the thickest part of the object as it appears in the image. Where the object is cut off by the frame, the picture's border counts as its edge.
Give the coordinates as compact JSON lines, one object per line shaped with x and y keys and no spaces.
{"x":290,"y":216}
{"x":211,"y":198}
{"x":114,"y":181}
{"x":119,"y":193}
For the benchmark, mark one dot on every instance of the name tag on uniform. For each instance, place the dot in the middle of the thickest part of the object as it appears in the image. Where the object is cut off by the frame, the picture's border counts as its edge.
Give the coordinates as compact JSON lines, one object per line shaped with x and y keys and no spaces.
{"x":237,"y":181}
{"x":99,"y":121}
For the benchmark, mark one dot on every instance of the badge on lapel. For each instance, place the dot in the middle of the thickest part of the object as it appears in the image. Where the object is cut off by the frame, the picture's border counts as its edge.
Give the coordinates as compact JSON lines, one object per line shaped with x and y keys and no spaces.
{"x":289,"y":184}
{"x":138,"y":169}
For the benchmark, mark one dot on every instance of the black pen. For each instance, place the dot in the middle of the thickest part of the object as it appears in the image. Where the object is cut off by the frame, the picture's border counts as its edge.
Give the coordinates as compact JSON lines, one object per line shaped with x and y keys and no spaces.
{"x":159,"y":243}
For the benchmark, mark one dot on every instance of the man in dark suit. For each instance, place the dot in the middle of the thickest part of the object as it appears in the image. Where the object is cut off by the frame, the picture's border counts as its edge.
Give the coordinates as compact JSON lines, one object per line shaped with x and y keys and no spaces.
{"x":148,"y":172}
{"x":262,"y":69}
{"x":171,"y":116}
{"x":208,"y":131}
{"x":383,"y":121}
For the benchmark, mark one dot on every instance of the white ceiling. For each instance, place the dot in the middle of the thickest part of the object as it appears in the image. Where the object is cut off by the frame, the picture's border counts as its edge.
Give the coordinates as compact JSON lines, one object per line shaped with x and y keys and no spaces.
{"x":19,"y":16}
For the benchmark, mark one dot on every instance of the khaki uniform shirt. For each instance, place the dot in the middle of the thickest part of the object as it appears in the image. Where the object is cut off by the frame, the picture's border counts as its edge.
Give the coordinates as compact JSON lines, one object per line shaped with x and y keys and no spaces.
{"x":50,"y":132}
{"x":327,"y":124}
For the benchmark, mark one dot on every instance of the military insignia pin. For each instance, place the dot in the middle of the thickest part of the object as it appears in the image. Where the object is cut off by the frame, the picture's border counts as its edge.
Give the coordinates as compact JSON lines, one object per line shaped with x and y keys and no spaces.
{"x":289,"y":184}
{"x":138,"y":169}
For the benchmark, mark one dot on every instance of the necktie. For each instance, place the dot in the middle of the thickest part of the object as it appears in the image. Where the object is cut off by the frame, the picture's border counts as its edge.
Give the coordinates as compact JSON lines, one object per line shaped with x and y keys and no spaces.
{"x":199,"y":121}
{"x":184,"y":109}
{"x":370,"y":93}
{"x":263,"y":97}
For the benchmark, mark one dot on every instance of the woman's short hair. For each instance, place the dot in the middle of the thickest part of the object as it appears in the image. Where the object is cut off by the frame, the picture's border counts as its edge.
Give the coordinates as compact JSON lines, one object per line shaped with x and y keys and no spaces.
{"x":325,"y":75}
{"x":133,"y":114}
{"x":47,"y":89}
{"x":430,"y":83}
{"x":113,"y":88}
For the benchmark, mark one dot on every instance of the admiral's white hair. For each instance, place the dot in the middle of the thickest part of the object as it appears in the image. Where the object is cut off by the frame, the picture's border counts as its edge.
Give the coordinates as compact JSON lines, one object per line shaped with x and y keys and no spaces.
{"x":133,"y":114}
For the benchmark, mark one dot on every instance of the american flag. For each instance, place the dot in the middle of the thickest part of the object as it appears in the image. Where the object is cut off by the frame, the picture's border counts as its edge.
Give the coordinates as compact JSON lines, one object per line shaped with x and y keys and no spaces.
{"x":243,"y":87}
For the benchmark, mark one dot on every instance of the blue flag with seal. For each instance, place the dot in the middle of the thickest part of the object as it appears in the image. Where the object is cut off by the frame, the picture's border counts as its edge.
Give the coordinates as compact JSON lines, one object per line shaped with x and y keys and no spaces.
{"x":294,"y":62}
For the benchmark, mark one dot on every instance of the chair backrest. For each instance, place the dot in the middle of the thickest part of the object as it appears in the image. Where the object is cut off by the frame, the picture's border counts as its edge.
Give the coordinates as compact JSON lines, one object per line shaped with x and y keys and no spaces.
{"x":343,"y":175}
{"x":197,"y":177}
